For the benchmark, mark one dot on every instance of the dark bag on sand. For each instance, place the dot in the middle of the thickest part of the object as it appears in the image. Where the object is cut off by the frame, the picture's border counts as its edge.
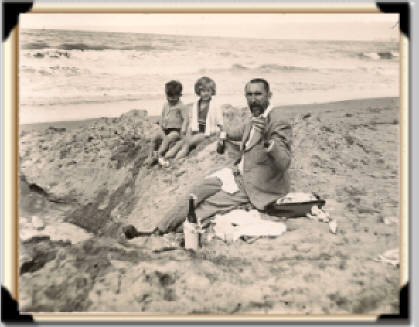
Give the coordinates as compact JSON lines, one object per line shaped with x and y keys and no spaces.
{"x":295,"y":209}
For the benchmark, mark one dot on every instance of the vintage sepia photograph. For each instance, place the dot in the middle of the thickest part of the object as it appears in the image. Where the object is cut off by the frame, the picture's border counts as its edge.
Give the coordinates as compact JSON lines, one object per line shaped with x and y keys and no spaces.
{"x":210,"y":164}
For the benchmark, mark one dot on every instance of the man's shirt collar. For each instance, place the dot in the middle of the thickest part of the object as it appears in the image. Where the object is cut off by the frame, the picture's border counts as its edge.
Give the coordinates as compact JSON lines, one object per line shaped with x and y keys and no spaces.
{"x":267,"y":111}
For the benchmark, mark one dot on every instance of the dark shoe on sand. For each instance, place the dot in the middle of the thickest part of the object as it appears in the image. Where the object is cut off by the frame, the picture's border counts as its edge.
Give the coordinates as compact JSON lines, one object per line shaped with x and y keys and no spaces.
{"x":130,"y":232}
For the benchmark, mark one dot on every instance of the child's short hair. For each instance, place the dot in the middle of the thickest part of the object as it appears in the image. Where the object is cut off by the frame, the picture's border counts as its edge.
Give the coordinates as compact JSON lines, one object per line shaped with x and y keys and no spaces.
{"x":173,"y":88}
{"x":205,"y":83}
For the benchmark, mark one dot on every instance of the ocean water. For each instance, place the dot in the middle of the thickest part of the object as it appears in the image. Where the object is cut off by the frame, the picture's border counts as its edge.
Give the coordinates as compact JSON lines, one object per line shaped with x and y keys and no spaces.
{"x":67,"y":74}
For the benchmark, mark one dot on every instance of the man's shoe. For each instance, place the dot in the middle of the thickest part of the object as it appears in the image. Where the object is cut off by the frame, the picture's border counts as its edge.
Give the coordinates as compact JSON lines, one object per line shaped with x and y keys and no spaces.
{"x":130,"y":232}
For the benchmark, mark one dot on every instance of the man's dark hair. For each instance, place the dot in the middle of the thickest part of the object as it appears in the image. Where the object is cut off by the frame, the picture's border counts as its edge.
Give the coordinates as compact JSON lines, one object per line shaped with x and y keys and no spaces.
{"x":173,"y":88}
{"x":263,"y":81}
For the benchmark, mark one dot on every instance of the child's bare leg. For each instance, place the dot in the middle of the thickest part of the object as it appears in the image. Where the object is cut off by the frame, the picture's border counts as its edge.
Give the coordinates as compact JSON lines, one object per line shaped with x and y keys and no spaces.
{"x":171,"y":153}
{"x":155,"y":140}
{"x":190,"y":141}
{"x":167,"y":140}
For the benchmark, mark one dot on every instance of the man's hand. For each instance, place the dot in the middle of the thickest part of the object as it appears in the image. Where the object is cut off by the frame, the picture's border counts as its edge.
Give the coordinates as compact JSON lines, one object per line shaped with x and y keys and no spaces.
{"x":259,"y":123}
{"x":268,"y":145}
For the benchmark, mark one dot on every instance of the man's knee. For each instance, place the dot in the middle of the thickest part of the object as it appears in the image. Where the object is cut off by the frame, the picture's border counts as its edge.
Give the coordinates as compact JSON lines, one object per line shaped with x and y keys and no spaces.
{"x":206,"y":187}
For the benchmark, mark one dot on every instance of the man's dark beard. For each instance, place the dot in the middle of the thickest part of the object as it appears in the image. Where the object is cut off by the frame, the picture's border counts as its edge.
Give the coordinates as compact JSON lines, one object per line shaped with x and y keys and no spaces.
{"x":256,"y":110}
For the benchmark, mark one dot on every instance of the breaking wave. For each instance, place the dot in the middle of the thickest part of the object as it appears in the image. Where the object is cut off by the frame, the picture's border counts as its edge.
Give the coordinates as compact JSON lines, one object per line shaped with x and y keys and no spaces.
{"x":82,"y":46}
{"x":36,"y":46}
{"x":239,"y":67}
{"x":63,"y":46}
{"x":143,"y":48}
{"x":267,"y":68}
{"x":379,"y":55}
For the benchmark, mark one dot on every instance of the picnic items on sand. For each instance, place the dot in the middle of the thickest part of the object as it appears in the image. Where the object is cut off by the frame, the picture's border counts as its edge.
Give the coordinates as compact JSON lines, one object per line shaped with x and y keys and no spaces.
{"x":293,"y":197}
{"x":322,"y":216}
{"x":318,"y":214}
{"x":300,"y":204}
{"x":248,"y":225}
{"x":295,"y":204}
{"x":240,"y":223}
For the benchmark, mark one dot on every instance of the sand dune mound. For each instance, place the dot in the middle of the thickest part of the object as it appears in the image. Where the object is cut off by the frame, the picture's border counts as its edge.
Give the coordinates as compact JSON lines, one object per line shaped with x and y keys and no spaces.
{"x":86,"y":170}
{"x":94,"y":178}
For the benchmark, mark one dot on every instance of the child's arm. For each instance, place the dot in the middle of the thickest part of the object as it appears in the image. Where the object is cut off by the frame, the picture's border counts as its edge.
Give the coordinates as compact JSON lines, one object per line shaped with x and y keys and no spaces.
{"x":163,"y":114}
{"x":220,"y":118}
{"x":185,"y":117}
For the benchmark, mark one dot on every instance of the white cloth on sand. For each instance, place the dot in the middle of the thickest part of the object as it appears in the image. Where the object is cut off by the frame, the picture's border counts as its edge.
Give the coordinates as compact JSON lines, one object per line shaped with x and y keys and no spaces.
{"x":237,"y":223}
{"x":226,"y":177}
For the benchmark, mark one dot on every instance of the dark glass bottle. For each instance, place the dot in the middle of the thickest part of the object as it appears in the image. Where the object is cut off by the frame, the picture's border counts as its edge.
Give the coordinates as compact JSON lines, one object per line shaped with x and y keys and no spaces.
{"x":190,"y":227}
{"x":191,"y":213}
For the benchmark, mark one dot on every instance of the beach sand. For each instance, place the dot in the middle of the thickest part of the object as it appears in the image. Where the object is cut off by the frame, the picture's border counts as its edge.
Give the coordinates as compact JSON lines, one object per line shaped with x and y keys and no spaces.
{"x":90,"y":174}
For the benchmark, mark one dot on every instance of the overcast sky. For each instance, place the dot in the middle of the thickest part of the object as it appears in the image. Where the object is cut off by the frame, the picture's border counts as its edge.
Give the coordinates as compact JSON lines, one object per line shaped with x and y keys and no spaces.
{"x":277,"y":26}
